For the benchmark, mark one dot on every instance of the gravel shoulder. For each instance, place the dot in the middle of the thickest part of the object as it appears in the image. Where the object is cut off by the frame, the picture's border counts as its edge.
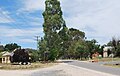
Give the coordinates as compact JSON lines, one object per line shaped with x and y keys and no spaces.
{"x":61,"y":69}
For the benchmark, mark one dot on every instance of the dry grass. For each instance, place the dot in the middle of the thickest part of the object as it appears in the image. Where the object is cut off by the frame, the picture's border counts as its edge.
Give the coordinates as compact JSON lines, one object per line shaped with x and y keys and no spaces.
{"x":109,"y":59}
{"x":32,"y":66}
{"x":113,"y":65}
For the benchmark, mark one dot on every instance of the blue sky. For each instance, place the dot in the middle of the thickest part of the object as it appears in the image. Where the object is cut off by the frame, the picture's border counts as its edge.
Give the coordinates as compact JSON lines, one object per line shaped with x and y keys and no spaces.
{"x":21,"y":20}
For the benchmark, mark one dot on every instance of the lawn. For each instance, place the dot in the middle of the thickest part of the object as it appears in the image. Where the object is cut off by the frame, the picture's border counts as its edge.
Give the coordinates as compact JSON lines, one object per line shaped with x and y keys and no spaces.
{"x":19,"y":67}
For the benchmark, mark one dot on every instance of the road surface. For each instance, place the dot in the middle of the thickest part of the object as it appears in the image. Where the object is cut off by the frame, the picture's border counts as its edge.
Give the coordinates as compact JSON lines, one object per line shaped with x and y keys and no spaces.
{"x":96,"y":66}
{"x":68,"y":68}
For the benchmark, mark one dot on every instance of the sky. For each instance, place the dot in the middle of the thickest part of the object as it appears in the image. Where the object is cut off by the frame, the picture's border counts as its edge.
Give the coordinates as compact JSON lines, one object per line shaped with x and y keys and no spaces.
{"x":21,"y":20}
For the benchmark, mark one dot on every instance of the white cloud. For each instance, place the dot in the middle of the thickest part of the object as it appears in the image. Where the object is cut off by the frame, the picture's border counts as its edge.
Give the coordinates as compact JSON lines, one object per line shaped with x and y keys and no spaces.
{"x":13,"y":32}
{"x":36,"y":21}
{"x":20,"y":35}
{"x":98,"y":18}
{"x":27,"y":40}
{"x":4,"y":17}
{"x":100,"y":15}
{"x":32,"y":5}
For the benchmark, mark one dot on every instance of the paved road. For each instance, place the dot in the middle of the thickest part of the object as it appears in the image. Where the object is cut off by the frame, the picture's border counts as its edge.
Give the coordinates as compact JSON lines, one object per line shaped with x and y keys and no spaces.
{"x":66,"y":69}
{"x":95,"y":66}
{"x":109,"y":62}
{"x":49,"y":73}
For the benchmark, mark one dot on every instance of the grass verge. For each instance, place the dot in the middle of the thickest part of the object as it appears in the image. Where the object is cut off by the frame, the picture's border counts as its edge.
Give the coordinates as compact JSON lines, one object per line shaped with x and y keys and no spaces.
{"x":109,"y":59}
{"x":26,"y":67}
{"x":113,"y":65}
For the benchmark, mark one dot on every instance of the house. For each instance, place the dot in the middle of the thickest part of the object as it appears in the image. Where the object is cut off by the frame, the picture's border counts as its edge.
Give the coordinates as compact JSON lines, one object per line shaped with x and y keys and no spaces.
{"x":107,"y":51}
{"x":5,"y":57}
{"x":18,"y":55}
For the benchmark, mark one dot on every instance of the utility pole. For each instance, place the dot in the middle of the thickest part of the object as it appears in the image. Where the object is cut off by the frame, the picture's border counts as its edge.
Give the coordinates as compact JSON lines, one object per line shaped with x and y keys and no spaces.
{"x":37,"y":39}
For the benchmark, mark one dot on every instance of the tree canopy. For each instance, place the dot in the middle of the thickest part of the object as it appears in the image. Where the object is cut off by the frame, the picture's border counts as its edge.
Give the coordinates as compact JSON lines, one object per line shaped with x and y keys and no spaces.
{"x":59,"y":41}
{"x":53,"y":22}
{"x":115,"y":43}
{"x":12,"y":46}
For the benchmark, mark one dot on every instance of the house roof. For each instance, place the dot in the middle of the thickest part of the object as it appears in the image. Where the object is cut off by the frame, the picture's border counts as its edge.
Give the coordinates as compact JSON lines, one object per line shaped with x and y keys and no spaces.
{"x":6,"y":54}
{"x":107,"y":48}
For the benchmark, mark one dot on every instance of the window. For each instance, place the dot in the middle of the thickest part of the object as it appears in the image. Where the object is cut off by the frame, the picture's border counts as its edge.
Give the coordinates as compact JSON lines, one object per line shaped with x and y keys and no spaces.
{"x":3,"y":59}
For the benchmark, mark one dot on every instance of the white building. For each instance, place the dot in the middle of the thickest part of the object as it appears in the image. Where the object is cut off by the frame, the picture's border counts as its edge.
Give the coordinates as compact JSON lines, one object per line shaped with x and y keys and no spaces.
{"x":106,"y":49}
{"x":6,"y":57}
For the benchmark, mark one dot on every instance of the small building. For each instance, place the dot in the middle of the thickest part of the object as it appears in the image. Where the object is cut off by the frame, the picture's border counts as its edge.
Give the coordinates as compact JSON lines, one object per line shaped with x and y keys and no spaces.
{"x":107,"y":51}
{"x":6,"y":57}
